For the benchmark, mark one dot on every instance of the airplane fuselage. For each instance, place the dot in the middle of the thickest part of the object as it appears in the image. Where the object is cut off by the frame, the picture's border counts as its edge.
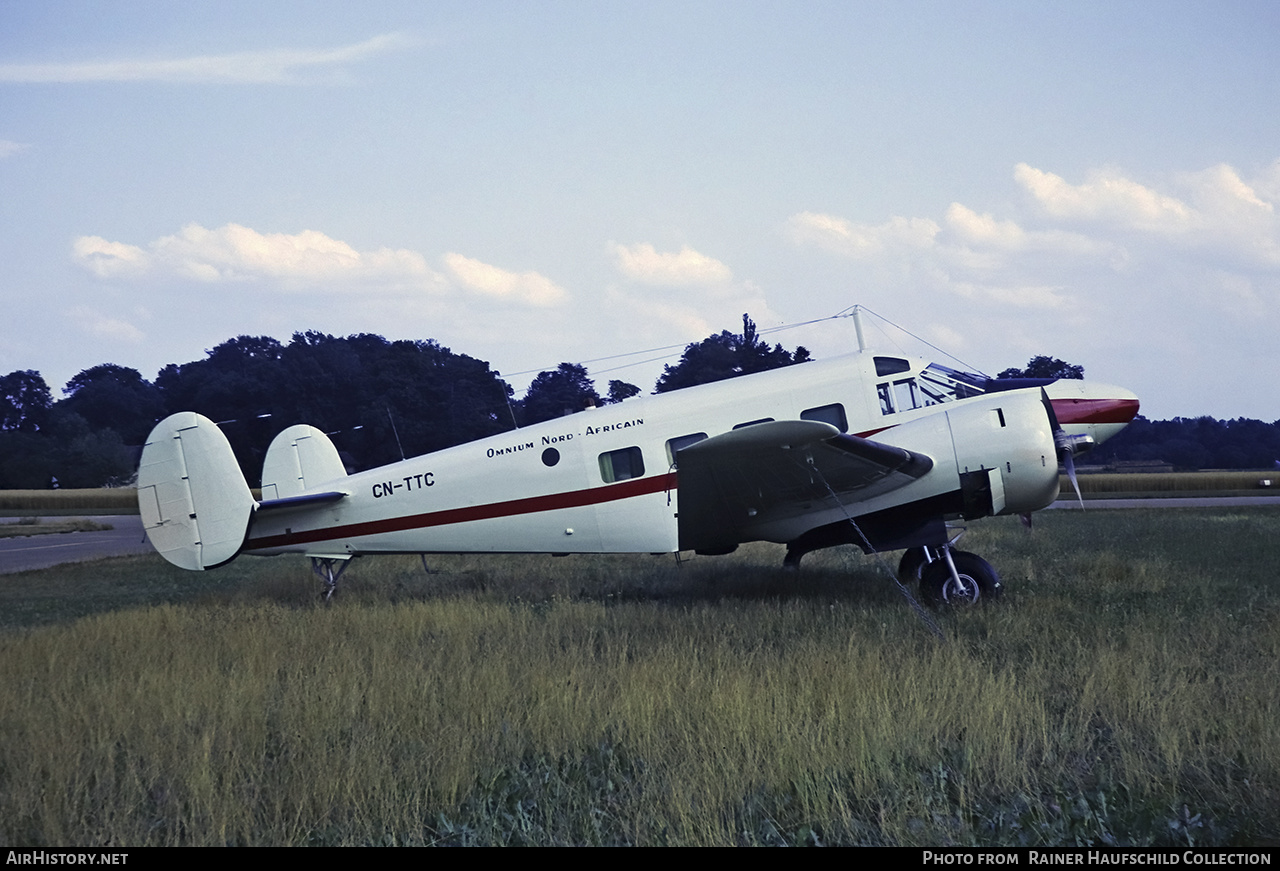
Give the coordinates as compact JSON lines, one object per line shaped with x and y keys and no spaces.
{"x":606,"y":479}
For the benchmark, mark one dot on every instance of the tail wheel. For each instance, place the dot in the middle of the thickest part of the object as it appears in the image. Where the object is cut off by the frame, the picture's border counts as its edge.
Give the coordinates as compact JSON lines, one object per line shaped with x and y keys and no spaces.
{"x":975,"y":580}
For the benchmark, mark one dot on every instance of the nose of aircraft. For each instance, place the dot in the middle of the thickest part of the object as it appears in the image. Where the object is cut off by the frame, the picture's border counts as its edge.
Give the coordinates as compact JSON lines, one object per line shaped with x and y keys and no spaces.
{"x":1092,"y":408}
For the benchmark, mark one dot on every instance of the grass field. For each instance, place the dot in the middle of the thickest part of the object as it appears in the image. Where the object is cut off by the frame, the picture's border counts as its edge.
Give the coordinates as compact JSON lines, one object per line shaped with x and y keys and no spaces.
{"x":1225,"y":482}
{"x":27,"y":526}
{"x":1125,"y":690}
{"x":113,"y":500}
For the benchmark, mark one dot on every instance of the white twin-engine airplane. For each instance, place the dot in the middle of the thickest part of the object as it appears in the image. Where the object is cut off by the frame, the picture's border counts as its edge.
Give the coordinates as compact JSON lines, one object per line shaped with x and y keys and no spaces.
{"x":868,"y":449}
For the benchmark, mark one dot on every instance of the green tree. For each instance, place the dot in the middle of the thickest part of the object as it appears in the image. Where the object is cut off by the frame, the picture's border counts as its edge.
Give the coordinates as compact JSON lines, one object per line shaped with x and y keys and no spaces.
{"x":620,"y":390}
{"x":564,"y":390}
{"x":1045,"y":367}
{"x":727,"y":356}
{"x":26,"y":462}
{"x":24,"y":401}
{"x":238,"y":384}
{"x":373,"y":395}
{"x":116,"y":398}
{"x":81,"y":455}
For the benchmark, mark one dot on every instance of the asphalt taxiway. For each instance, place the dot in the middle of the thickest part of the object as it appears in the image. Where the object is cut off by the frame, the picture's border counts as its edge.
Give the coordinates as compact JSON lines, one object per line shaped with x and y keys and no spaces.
{"x":23,"y":553}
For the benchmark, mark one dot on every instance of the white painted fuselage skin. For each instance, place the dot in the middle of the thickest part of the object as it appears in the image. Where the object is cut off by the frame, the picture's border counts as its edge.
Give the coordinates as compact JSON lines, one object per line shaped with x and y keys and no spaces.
{"x":542,"y":489}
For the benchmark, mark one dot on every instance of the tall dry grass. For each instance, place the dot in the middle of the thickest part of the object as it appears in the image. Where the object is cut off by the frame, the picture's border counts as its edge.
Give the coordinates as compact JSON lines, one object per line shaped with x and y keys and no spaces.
{"x":114,"y":500}
{"x":1220,"y":481}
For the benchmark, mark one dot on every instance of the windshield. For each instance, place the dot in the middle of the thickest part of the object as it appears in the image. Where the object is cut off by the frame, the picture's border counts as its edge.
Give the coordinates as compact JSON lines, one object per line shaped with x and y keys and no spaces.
{"x":940,"y":384}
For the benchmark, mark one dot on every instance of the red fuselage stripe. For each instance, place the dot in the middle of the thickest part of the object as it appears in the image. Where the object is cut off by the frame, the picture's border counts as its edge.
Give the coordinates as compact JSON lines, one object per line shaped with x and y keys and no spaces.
{"x":1095,"y":410}
{"x":531,"y":505}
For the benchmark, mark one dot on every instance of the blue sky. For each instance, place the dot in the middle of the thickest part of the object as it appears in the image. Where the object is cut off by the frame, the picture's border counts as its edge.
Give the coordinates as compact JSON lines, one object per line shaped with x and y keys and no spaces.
{"x":536,"y":182}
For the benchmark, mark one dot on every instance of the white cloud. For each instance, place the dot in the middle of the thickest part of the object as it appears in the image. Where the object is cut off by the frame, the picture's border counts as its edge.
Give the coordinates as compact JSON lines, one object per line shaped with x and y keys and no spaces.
{"x":1086,"y":271}
{"x":109,"y":259}
{"x":1236,"y":217}
{"x":1109,"y":197}
{"x":529,"y":288}
{"x":271,"y":66}
{"x":8,"y":148}
{"x":982,"y":240}
{"x":1220,"y":188}
{"x":1267,"y":183}
{"x":861,"y":241}
{"x":233,"y":253}
{"x":103,"y":326}
{"x":1026,"y":296}
{"x":642,"y":262}
{"x":1220,"y":217}
{"x":984,"y":229}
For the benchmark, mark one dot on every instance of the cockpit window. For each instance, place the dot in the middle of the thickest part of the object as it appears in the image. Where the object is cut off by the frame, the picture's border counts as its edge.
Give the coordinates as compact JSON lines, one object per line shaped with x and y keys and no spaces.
{"x":906,"y":395}
{"x":832,"y":414}
{"x":891,"y":366}
{"x":934,"y":385}
{"x":940,"y":384}
{"x":886,"y":398}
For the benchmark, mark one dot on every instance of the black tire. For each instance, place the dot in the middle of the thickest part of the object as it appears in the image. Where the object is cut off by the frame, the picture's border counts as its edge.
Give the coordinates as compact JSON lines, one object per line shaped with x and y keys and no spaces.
{"x":912,"y":563}
{"x":986,"y":575}
{"x":979,"y":581}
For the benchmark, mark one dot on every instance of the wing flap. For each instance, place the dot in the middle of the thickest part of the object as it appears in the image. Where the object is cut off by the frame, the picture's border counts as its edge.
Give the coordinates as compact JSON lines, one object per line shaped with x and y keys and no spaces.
{"x":733,"y":486}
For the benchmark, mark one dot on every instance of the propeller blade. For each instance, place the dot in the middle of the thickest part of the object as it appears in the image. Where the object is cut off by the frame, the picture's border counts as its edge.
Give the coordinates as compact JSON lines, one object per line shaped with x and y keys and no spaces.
{"x":1068,"y":460}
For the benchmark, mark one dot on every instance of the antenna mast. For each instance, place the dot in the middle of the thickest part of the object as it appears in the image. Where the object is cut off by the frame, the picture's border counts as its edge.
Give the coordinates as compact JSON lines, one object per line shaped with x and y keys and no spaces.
{"x":857,"y":327}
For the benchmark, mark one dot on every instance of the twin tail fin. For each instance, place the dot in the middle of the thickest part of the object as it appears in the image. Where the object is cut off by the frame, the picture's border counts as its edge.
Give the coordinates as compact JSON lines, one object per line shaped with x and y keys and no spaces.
{"x":196,"y":507}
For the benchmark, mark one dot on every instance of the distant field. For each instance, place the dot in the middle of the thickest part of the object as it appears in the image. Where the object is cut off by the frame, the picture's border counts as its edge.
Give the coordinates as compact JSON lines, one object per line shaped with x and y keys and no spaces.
{"x":118,"y":500}
{"x":27,"y":526}
{"x":1221,"y":483}
{"x":1125,"y":690}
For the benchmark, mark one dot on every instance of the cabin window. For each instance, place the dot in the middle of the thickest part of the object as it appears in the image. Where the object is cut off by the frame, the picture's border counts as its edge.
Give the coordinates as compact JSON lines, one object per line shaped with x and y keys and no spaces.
{"x":886,"y":399}
{"x":621,"y":465}
{"x":905,"y":395}
{"x":679,"y":443}
{"x":753,"y":422}
{"x":891,"y":366}
{"x":832,"y":414}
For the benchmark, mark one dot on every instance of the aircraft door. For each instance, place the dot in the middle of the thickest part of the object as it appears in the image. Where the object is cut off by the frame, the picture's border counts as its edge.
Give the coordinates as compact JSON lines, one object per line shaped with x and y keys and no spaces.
{"x":636,"y":511}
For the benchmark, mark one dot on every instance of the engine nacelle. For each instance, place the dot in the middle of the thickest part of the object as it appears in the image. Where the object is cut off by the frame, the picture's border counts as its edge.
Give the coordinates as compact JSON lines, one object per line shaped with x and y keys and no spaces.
{"x":1005,"y":453}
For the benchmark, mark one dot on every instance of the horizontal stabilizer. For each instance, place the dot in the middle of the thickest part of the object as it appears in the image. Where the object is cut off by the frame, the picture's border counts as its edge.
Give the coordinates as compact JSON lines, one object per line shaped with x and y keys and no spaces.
{"x":194,"y":502}
{"x":304,"y":501}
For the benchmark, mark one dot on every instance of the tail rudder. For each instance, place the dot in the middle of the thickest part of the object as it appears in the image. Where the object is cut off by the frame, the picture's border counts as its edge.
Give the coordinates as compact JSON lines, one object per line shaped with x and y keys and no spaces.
{"x":299,"y":458}
{"x":194,"y":502}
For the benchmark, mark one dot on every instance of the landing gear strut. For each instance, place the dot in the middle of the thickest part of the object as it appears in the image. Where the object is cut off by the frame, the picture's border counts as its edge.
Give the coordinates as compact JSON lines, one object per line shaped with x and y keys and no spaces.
{"x":950,"y":577}
{"x":323,"y":566}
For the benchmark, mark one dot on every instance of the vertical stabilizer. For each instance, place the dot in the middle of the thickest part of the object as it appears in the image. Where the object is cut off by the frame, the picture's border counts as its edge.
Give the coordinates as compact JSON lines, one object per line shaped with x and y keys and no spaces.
{"x":300,"y":458}
{"x":194,"y":501}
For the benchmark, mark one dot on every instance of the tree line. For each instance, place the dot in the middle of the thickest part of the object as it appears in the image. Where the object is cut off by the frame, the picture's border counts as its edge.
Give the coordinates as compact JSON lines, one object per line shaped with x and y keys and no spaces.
{"x":382,"y":400}
{"x":379,"y":401}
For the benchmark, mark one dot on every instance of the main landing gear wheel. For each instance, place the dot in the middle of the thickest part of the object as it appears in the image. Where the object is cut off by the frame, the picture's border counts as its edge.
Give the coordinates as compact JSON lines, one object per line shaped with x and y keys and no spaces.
{"x":914,"y":559}
{"x":974,"y":580}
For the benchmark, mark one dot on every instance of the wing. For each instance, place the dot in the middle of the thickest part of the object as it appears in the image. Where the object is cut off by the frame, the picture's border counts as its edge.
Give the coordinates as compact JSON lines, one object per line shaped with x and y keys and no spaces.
{"x":761,"y":482}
